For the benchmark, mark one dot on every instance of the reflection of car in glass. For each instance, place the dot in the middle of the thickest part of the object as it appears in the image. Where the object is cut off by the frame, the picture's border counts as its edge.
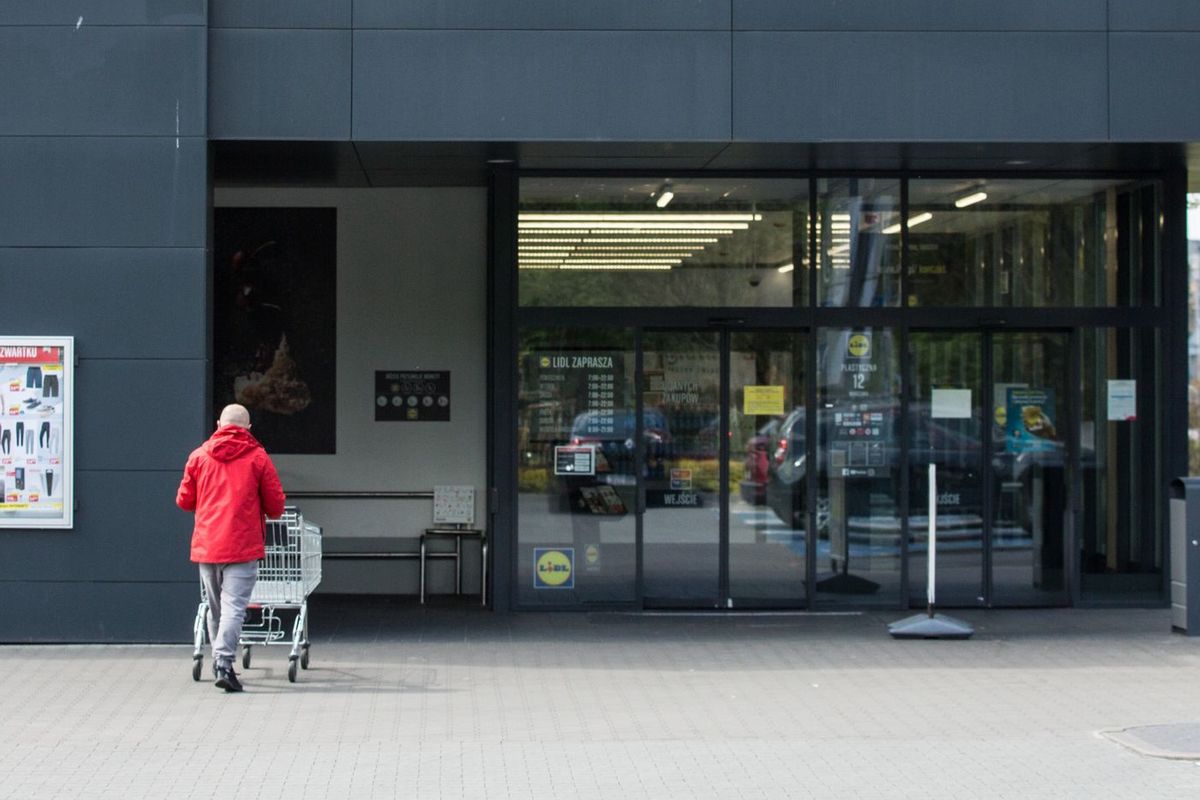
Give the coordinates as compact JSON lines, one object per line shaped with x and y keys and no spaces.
{"x":956,"y":448}
{"x":613,"y":434}
{"x":755,"y":472}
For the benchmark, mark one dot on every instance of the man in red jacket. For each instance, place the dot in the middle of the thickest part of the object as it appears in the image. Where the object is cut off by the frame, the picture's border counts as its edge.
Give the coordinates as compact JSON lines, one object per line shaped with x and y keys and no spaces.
{"x":230,"y":483}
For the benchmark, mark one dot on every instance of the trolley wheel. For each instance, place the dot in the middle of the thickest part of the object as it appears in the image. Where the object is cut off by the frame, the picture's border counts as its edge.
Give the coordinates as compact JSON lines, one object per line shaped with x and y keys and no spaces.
{"x":292,"y":664}
{"x":197,"y":667}
{"x":246,"y":656}
{"x":304,"y":658}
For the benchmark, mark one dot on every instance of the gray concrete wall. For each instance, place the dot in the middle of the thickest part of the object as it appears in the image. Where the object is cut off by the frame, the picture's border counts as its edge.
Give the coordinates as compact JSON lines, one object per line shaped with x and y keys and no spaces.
{"x":707,"y":70}
{"x":411,"y":295}
{"x":103,"y":182}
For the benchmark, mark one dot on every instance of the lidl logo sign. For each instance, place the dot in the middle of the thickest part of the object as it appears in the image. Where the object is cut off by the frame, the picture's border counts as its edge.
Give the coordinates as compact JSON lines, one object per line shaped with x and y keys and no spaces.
{"x":554,"y":568}
{"x":860,"y":345}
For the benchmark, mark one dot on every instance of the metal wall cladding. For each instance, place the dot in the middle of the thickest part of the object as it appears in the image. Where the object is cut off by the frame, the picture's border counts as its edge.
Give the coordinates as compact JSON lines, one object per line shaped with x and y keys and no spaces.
{"x":73,"y":611}
{"x":274,"y":84}
{"x":102,"y":191}
{"x":1152,"y":79}
{"x":612,"y":15}
{"x":102,"y":80}
{"x":122,"y":302}
{"x":279,"y":14}
{"x":1154,"y":15}
{"x":82,"y":13}
{"x":541,"y":85}
{"x":919,"y":87}
{"x":927,"y":15}
{"x":138,"y":413}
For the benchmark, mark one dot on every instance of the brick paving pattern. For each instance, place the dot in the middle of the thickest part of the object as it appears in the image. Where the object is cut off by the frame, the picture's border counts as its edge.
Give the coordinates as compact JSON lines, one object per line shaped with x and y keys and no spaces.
{"x":457,"y":703}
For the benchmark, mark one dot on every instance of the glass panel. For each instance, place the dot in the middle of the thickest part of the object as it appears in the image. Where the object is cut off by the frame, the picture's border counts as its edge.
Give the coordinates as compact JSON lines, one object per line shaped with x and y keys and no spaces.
{"x":662,"y":242}
{"x":1030,"y":468}
{"x":766,"y":386}
{"x":576,"y":477}
{"x":945,"y":414}
{"x":1120,"y":546}
{"x":858,"y":478}
{"x":681,"y":525}
{"x":1013,"y":242}
{"x":858,"y":239}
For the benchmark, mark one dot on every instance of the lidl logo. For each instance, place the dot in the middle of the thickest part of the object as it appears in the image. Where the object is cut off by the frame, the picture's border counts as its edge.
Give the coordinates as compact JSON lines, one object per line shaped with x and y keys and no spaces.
{"x":554,"y":568}
{"x":545,"y":361}
{"x":860,"y":345}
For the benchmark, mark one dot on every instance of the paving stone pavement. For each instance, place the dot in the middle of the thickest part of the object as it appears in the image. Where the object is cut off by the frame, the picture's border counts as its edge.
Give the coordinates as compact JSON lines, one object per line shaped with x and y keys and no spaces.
{"x":457,"y":703}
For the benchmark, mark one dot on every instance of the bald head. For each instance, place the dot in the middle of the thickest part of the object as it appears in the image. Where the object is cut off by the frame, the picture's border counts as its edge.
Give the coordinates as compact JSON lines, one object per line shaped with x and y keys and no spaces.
{"x":234,"y":414}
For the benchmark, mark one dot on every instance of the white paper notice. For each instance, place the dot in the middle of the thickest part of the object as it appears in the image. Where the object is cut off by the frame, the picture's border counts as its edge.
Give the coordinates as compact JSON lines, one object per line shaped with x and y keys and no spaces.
{"x":951,"y":404}
{"x":1122,"y":401}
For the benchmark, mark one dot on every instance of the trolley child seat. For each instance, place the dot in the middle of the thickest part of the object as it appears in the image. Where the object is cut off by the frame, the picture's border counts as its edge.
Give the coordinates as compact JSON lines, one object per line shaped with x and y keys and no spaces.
{"x":287,"y":574}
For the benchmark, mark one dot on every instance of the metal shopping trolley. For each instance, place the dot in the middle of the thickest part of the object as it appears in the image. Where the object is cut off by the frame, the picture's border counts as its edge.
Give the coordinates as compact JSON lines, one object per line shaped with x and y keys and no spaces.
{"x":287,"y":575}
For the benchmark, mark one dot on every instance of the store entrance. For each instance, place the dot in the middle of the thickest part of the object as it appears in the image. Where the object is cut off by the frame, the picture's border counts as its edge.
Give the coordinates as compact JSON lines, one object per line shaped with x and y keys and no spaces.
{"x":992,"y":410}
{"x":713,"y":405}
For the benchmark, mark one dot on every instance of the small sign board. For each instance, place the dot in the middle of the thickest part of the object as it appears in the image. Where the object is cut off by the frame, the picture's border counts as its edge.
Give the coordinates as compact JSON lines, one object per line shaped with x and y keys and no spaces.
{"x":453,"y":505}
{"x":1122,"y":401}
{"x":412,"y":396}
{"x":762,"y":401}
{"x":574,"y":459}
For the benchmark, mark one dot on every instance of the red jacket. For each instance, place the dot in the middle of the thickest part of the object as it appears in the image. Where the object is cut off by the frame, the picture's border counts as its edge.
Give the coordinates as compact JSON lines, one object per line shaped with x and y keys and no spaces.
{"x":230,"y":483}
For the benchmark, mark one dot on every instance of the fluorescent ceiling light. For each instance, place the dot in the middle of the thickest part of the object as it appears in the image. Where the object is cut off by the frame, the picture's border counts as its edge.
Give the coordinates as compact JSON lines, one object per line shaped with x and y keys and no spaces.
{"x":615,"y":266}
{"x":912,"y":223}
{"x":530,"y":217}
{"x":786,"y":268}
{"x":970,"y":200}
{"x":631,"y":226}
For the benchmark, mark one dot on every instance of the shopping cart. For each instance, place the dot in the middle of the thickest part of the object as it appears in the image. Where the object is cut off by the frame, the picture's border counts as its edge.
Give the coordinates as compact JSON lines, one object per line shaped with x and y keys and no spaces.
{"x":287,"y":575}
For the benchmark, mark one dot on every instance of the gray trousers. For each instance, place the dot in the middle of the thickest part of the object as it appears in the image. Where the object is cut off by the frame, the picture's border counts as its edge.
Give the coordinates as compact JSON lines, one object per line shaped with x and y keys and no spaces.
{"x":228,"y":587}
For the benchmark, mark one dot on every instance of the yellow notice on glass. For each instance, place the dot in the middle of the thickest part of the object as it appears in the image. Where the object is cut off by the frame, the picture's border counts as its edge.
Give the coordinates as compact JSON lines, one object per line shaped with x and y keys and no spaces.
{"x":763,"y":400}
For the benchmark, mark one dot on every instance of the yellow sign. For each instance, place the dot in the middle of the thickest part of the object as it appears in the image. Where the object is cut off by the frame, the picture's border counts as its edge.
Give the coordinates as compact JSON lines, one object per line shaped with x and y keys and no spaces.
{"x":763,"y":400}
{"x":553,"y":568}
{"x":1001,"y":415}
{"x":860,"y":345}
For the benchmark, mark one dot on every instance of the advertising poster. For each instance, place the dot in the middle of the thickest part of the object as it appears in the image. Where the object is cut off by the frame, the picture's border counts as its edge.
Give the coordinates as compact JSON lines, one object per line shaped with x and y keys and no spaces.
{"x":1029,"y":421}
{"x":36,"y":395}
{"x":274,"y":323}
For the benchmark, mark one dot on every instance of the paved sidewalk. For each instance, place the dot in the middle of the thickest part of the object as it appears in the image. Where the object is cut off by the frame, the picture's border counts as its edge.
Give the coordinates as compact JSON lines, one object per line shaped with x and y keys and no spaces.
{"x":457,"y":703}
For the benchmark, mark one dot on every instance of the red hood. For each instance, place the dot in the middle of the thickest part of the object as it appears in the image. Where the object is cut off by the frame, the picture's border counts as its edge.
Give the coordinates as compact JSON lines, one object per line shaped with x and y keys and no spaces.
{"x":229,"y":443}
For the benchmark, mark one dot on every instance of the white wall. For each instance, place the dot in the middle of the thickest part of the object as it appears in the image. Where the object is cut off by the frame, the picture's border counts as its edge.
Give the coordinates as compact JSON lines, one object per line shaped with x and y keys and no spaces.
{"x":412,"y":295}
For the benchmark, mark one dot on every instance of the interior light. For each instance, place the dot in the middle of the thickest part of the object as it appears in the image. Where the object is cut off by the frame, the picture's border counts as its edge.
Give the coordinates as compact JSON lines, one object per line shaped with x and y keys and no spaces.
{"x":912,"y":223}
{"x":614,"y":217}
{"x":786,"y":268}
{"x":970,"y":200}
{"x":665,"y":195}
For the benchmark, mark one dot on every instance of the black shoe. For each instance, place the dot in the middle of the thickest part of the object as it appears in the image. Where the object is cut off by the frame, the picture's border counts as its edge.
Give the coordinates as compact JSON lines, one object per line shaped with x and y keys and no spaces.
{"x":227,"y":679}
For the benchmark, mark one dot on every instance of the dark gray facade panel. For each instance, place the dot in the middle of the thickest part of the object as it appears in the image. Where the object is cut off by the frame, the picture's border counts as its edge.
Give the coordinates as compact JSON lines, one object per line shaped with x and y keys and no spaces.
{"x":547,"y":85}
{"x":663,"y":15}
{"x":137,"y":414}
{"x":1154,"y":15}
{"x":83,"y":13}
{"x":116,"y":302}
{"x":85,"y":611}
{"x":927,"y":15}
{"x":107,"y":81}
{"x":279,"y":84}
{"x":127,"y":528}
{"x":279,"y":14}
{"x":1153,"y":86}
{"x":919,"y":87}
{"x":96,"y":191}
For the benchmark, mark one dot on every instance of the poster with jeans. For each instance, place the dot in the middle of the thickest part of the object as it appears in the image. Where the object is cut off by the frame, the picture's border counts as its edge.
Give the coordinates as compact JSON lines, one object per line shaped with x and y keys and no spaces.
{"x":36,"y":413}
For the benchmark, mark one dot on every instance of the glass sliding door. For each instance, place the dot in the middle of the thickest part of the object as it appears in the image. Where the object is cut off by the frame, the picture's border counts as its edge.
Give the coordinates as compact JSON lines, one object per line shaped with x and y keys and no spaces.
{"x":946,"y":430}
{"x":681,"y":414}
{"x":576,"y":467}
{"x":1031,"y":467}
{"x":859,"y":470}
{"x":766,"y":466}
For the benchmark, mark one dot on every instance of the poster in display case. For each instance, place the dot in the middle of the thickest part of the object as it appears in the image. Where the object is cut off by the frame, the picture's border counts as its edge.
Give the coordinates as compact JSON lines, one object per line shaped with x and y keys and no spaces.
{"x":37,"y":398}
